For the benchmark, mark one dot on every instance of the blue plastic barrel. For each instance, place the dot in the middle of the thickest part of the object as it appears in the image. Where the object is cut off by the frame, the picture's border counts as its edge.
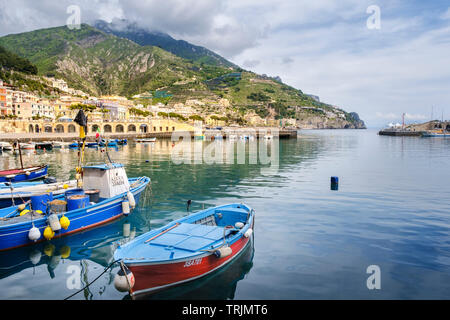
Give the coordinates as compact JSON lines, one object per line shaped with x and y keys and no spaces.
{"x":41,"y":201}
{"x":74,"y":192}
{"x":75,"y":202}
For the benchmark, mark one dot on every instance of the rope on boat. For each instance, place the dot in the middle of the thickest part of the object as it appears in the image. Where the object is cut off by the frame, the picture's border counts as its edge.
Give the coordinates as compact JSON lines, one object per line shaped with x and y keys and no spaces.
{"x":98,"y":277}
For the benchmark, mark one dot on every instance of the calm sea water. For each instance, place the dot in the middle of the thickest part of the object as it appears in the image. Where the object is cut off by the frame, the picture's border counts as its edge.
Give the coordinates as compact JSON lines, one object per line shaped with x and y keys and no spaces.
{"x":392,"y":210}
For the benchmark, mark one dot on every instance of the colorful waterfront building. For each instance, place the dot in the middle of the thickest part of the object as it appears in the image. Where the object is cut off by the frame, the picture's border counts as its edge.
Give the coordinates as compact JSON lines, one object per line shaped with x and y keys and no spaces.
{"x":3,"y":108}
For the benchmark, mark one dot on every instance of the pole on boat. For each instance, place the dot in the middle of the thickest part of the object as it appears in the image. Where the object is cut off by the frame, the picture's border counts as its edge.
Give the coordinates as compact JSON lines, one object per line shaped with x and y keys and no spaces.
{"x":20,"y":154}
{"x":81,"y":120}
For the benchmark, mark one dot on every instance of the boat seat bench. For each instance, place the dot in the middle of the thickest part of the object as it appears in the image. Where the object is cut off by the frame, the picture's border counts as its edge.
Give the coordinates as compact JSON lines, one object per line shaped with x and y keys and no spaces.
{"x":191,"y":237}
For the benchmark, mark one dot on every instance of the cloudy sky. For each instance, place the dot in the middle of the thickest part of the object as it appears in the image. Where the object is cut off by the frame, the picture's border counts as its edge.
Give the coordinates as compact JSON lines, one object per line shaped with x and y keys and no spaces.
{"x":338,"y":50}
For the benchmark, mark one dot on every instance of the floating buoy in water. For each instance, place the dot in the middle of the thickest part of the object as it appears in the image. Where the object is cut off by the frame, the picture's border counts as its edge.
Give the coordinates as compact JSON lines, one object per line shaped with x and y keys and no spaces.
{"x":126,"y":207}
{"x":64,"y":222}
{"x":223,"y":252}
{"x":124,"y":282}
{"x":248,"y":233}
{"x":131,"y":200}
{"x":53,"y":221}
{"x":34,"y":234}
{"x":334,"y":183}
{"x":48,"y":233}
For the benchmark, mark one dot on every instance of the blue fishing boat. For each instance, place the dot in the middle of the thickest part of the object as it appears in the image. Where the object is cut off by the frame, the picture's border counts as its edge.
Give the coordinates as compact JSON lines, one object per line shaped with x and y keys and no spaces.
{"x":12,"y":194}
{"x":185,"y":249}
{"x":44,"y":218}
{"x":110,"y":143}
{"x":121,"y":142}
{"x":23,"y":174}
{"x":75,"y":145}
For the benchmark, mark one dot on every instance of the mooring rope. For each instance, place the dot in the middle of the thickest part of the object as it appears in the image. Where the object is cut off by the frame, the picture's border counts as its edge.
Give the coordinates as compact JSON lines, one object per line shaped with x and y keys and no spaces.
{"x":98,"y":277}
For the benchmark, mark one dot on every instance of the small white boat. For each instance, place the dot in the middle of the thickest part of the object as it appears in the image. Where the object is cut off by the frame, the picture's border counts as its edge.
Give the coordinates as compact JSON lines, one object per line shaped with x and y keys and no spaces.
{"x":25,"y":146}
{"x":268,"y":137}
{"x":6,"y":146}
{"x":60,"y":144}
{"x":147,"y":140}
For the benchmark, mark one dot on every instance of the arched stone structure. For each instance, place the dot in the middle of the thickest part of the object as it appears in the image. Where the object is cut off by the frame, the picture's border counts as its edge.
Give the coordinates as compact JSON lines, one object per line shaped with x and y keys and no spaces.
{"x":59,"y":128}
{"x":72,"y":128}
{"x":48,"y":129}
{"x":143,"y":128}
{"x":119,"y":128}
{"x":31,"y":128}
{"x":107,"y":128}
{"x":131,"y":128}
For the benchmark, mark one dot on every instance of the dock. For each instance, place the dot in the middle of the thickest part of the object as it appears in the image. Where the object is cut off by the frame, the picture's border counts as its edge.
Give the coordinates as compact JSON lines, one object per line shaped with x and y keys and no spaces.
{"x":70,"y":137}
{"x":400,"y":133}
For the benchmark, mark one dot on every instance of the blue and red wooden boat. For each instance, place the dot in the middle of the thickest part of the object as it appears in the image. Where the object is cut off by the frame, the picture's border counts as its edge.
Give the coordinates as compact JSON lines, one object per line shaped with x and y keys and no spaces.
{"x":24,"y":174}
{"x":116,"y":195}
{"x":186,"y":249}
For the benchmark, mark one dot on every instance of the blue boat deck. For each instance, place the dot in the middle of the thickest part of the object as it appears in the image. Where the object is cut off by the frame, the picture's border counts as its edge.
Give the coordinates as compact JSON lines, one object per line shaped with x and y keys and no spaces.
{"x":189,"y":236}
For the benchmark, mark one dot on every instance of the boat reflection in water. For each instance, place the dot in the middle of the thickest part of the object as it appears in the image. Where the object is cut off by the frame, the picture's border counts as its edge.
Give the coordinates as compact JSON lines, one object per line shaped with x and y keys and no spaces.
{"x":219,"y":285}
{"x":95,"y":245}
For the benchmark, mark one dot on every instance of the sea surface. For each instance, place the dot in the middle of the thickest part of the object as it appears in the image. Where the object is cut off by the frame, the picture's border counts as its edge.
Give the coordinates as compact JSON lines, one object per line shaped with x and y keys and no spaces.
{"x":391,"y":213}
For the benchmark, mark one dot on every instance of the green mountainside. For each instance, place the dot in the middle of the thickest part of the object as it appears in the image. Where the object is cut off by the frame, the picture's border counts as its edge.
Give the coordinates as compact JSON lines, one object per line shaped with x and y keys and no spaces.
{"x":101,"y":63}
{"x":180,"y":48}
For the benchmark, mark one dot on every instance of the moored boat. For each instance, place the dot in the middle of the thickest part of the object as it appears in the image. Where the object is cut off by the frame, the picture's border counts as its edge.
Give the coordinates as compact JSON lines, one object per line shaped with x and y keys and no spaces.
{"x":186,"y":249}
{"x":43,"y":145}
{"x":436,"y":134}
{"x":23,"y":174}
{"x":146,"y":140}
{"x":6,"y":146}
{"x":117,"y":195}
{"x":21,"y":192}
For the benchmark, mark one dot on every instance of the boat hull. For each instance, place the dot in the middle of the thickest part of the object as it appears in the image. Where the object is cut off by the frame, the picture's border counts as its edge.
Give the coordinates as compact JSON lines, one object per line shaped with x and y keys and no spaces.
{"x":39,"y":173}
{"x":16,"y":235}
{"x":153,"y":277}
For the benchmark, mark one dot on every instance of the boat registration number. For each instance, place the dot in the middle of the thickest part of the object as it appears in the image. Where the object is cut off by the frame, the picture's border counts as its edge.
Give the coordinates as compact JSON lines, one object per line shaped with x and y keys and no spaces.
{"x":117,"y":181}
{"x":191,"y":263}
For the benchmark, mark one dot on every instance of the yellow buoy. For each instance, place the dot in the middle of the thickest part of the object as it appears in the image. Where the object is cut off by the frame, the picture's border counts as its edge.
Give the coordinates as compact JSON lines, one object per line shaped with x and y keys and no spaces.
{"x":66,"y":186}
{"x":39,"y":212}
{"x":65,"y":222}
{"x":21,"y":207}
{"x":49,"y":233}
{"x":24,"y":212}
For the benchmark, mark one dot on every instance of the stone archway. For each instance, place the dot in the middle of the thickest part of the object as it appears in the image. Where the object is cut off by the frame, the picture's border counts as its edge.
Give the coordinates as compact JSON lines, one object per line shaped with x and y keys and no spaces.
{"x":30,"y":128}
{"x":119,"y":128}
{"x":48,"y":129}
{"x":36,"y":128}
{"x":131,"y":128}
{"x":94,"y":128}
{"x":143,"y":128}
{"x":59,"y":128}
{"x":107,"y":128}
{"x":72,"y":128}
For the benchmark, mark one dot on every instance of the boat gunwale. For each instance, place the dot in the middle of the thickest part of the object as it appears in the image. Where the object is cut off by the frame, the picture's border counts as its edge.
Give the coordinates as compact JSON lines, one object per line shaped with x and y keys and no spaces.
{"x":195,"y":254}
{"x":74,"y":214}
